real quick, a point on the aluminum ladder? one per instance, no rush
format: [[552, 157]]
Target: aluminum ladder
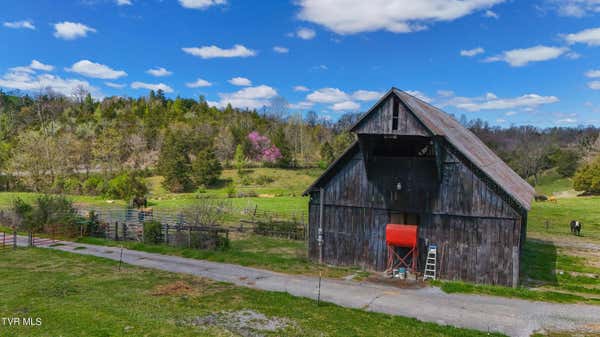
[[431, 263]]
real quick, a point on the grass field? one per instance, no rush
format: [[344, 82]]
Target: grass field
[[86, 296]]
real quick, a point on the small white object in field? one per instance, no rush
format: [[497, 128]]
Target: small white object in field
[[110, 201]]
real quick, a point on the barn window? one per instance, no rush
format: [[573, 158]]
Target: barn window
[[395, 115]]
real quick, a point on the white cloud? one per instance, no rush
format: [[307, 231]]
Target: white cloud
[[594, 85], [521, 57], [29, 81], [199, 83], [472, 52], [33, 66], [366, 95], [124, 2], [491, 14], [445, 93], [240, 81], [301, 88], [566, 121], [251, 97], [419, 95], [306, 33], [400, 16], [159, 72], [152, 86], [492, 102], [95, 70], [24, 24], [346, 106], [281, 50], [576, 8], [328, 95], [302, 105], [201, 4], [591, 37], [500, 120], [208, 52], [114, 85], [594, 73], [71, 30], [510, 113]]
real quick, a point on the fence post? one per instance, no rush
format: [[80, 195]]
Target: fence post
[[189, 236], [116, 231], [124, 231], [30, 239], [14, 239], [167, 234]]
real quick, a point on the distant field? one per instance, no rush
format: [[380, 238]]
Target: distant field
[[86, 296]]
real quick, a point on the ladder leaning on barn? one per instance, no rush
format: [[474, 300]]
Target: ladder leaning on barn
[[431, 263]]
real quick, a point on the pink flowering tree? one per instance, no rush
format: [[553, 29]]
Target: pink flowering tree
[[262, 149]]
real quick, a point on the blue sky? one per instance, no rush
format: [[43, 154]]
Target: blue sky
[[507, 62]]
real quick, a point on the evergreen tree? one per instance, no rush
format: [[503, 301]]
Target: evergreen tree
[[206, 168], [240, 159], [174, 163], [327, 154]]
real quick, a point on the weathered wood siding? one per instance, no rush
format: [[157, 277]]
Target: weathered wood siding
[[380, 122], [478, 232]]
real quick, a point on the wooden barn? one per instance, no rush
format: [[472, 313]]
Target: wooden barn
[[413, 164]]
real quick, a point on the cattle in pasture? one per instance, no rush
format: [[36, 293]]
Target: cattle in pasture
[[576, 227], [540, 197]]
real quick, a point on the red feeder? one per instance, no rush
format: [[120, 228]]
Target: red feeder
[[404, 236]]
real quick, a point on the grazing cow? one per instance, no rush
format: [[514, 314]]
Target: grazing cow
[[139, 202], [552, 199], [576, 227], [540, 197]]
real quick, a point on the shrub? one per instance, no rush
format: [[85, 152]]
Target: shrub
[[127, 186], [94, 185], [263, 180], [47, 211], [152, 232], [72, 185], [230, 190], [587, 178]]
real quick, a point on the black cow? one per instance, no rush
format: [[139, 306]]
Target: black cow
[[139, 202], [576, 227]]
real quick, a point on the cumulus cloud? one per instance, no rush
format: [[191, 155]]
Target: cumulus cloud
[[152, 86], [594, 73], [71, 30], [420, 95], [594, 85], [301, 88], [201, 4], [124, 2], [346, 106], [306, 33], [366, 95], [328, 96], [28, 80], [198, 83], [208, 52], [400, 16], [472, 52], [114, 85], [521, 57], [95, 70], [33, 66], [491, 14], [281, 50], [24, 24], [250, 98], [159, 72], [240, 81], [591, 37], [491, 101]]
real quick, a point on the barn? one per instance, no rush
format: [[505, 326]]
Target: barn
[[413, 164]]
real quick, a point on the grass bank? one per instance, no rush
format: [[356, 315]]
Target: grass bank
[[87, 296]]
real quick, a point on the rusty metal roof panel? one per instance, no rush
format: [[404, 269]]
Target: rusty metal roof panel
[[470, 146]]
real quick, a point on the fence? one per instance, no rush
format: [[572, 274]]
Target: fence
[[8, 240]]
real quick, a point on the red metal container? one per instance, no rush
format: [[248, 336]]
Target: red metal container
[[401, 235]]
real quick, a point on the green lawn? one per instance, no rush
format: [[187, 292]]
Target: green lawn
[[551, 182], [559, 215], [87, 296], [281, 255]]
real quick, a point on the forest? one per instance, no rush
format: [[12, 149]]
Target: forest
[[78, 145]]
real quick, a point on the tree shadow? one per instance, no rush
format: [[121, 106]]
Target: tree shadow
[[538, 263]]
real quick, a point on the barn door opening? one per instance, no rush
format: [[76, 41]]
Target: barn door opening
[[402, 218]]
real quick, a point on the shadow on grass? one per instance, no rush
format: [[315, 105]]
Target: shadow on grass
[[538, 263]]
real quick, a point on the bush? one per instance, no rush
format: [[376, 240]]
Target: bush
[[587, 178], [152, 232], [230, 190], [127, 186], [263, 180], [72, 185], [94, 185], [47, 211]]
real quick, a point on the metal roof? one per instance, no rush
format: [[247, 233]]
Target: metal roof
[[441, 124]]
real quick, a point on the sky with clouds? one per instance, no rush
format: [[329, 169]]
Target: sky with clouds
[[507, 62]]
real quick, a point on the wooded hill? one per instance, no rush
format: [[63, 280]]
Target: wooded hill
[[53, 143]]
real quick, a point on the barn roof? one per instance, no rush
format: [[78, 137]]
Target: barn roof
[[441, 124]]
